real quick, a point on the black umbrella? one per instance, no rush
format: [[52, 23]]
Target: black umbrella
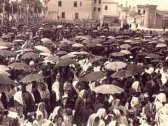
[[135, 69]]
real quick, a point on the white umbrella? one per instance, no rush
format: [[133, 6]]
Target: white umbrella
[[43, 49], [60, 26], [77, 45], [125, 52], [161, 45], [115, 66], [128, 41], [18, 40], [3, 47], [3, 68], [46, 40], [45, 54]]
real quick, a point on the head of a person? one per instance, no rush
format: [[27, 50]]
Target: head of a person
[[58, 120]]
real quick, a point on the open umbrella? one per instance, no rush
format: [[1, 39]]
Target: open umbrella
[[129, 41], [108, 89], [8, 44], [24, 50], [96, 58], [19, 66], [7, 53], [45, 54], [117, 54], [52, 58], [67, 56], [135, 69], [29, 55], [61, 53], [4, 47], [43, 49], [125, 46], [46, 41], [4, 68], [115, 65], [60, 26], [122, 74], [4, 79], [78, 53], [152, 56], [66, 62], [77, 45], [94, 76], [31, 78], [18, 41], [6, 37], [127, 52], [161, 45]]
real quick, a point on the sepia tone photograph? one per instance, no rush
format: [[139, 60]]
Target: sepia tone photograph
[[83, 62]]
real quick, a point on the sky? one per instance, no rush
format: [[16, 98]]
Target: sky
[[162, 4]]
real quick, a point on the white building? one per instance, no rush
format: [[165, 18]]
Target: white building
[[82, 9], [69, 9]]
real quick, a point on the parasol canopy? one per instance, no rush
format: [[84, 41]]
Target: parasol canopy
[[117, 54], [125, 46], [31, 78], [127, 52], [66, 62], [108, 89], [94, 76], [115, 66], [152, 56], [78, 45], [161, 45], [122, 74], [61, 53], [96, 58], [19, 66], [3, 68], [42, 48], [46, 41], [4, 79], [7, 53], [29, 55], [135, 69]]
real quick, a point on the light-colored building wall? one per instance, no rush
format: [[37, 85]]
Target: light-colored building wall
[[110, 8], [84, 9]]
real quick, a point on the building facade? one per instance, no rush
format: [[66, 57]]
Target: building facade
[[150, 17], [96, 10], [69, 9]]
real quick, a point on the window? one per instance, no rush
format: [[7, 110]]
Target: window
[[143, 11], [139, 11], [80, 3], [95, 1], [76, 15], [99, 1], [106, 7], [59, 3], [95, 9], [75, 3], [63, 14], [99, 9]]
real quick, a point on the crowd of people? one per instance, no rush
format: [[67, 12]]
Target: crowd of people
[[73, 75]]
